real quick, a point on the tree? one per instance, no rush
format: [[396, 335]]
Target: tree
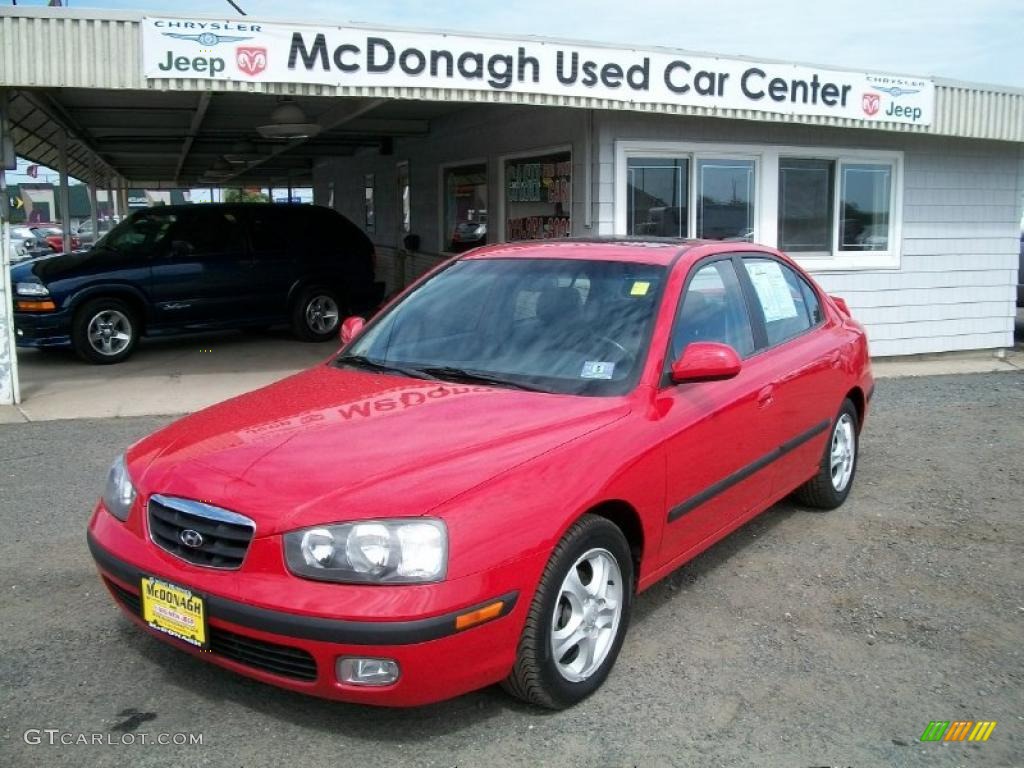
[[245, 196]]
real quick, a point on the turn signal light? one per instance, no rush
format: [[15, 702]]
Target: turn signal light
[[35, 305], [479, 616]]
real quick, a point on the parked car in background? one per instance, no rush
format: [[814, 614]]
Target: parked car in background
[[479, 483], [53, 236], [25, 246], [85, 234], [179, 269]]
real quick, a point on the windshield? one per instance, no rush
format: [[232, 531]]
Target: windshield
[[558, 325], [140, 234]]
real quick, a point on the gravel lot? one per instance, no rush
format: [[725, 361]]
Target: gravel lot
[[804, 639]]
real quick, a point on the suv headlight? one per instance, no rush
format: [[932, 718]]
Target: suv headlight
[[31, 289], [119, 494], [405, 551]]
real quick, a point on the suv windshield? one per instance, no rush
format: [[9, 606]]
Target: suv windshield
[[559, 325]]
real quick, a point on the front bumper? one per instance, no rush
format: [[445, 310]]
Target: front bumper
[[42, 329], [299, 651]]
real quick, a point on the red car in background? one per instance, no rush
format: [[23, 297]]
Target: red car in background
[[476, 487], [53, 236]]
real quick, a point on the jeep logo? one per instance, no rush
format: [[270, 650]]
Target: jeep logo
[[200, 64]]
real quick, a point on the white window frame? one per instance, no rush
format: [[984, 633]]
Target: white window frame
[[766, 197], [538, 152], [442, 169]]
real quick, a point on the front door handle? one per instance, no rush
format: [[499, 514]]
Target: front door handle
[[766, 396]]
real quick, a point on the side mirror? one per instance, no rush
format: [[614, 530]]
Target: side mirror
[[181, 248], [351, 327], [706, 361]]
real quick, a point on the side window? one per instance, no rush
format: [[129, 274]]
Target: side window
[[272, 233], [781, 294], [811, 302], [713, 309], [211, 232]]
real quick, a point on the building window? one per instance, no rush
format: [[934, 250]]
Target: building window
[[658, 196], [368, 209], [465, 207], [832, 209], [865, 197], [538, 197], [806, 190], [725, 197]]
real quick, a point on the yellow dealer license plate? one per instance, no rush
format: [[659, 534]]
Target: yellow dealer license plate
[[175, 610]]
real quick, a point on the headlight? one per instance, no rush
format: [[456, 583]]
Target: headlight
[[31, 289], [119, 495], [406, 551]]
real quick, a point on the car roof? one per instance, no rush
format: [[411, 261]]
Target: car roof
[[640, 250]]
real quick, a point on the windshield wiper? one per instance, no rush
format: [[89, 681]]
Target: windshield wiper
[[361, 361], [472, 377]]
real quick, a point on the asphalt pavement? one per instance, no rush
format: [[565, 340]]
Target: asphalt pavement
[[804, 639]]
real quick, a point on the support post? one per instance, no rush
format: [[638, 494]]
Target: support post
[[65, 197], [10, 393], [94, 212]]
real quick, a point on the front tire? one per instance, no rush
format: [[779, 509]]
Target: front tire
[[578, 617], [829, 488], [105, 331], [316, 314]]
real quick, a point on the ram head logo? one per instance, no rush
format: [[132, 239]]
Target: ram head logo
[[870, 102], [250, 59]]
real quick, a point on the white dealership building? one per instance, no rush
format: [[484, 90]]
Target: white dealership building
[[901, 193]]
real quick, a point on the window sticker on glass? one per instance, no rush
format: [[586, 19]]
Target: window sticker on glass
[[772, 290], [594, 369], [640, 288]]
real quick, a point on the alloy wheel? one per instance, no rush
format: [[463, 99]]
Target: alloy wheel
[[109, 332], [322, 314], [844, 447], [587, 614]]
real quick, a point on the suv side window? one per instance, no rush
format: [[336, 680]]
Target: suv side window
[[783, 297], [713, 309], [272, 230], [211, 232]]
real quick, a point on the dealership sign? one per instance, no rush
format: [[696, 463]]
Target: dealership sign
[[361, 57]]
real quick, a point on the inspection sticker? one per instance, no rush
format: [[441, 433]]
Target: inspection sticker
[[593, 369], [640, 288]]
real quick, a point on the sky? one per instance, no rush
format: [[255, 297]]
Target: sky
[[974, 40]]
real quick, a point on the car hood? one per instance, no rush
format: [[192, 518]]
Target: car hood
[[50, 268], [329, 445]]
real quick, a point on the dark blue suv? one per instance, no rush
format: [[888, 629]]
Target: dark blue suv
[[180, 269]]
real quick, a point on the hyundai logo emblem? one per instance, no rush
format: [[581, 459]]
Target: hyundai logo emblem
[[191, 538]]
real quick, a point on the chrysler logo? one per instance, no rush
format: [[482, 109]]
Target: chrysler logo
[[191, 538]]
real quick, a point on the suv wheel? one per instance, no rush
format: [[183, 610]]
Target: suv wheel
[[105, 331], [316, 314], [578, 617]]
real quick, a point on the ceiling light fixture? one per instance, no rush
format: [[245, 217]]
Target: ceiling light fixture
[[288, 121]]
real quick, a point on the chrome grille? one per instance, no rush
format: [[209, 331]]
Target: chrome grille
[[199, 533]]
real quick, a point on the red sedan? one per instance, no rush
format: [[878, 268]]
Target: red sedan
[[476, 487]]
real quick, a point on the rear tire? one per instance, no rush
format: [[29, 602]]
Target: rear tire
[[105, 331], [581, 607], [829, 488], [316, 314]]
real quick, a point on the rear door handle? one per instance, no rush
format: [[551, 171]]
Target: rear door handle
[[766, 396]]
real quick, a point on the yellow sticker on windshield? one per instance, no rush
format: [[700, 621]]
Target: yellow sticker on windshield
[[640, 288]]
